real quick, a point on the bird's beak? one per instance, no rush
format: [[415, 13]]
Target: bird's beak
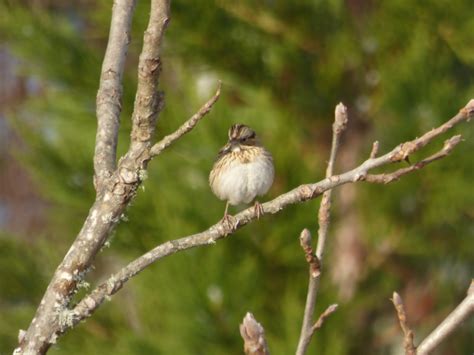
[[226, 149], [229, 147]]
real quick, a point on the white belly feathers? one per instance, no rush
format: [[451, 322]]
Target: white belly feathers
[[241, 183]]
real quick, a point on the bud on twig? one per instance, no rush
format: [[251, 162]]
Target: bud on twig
[[341, 118], [254, 336], [311, 258]]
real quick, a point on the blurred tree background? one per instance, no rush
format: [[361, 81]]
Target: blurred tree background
[[400, 66]]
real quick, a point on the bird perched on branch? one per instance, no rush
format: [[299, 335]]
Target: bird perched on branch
[[243, 170]]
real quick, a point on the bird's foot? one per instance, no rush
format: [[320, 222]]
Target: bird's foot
[[229, 221], [258, 209]]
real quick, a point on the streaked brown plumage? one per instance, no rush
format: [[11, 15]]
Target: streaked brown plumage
[[243, 169]]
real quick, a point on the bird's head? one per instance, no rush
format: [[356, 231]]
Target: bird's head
[[242, 135]]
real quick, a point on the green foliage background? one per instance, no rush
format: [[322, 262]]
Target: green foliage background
[[401, 68]]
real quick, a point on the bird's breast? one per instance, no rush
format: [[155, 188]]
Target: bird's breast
[[241, 180]]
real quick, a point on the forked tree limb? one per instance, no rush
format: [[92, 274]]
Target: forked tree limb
[[53, 316], [222, 230], [387, 178]]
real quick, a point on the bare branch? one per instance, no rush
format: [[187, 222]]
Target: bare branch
[[222, 230], [449, 145], [148, 100], [375, 150], [319, 323], [254, 336], [53, 317], [452, 321], [408, 148], [340, 123], [186, 126], [338, 127], [109, 95], [402, 318]]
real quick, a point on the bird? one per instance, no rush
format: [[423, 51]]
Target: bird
[[242, 171]]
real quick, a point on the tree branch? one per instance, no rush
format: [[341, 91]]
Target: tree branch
[[186, 126], [53, 317], [340, 124], [307, 330], [148, 100], [408, 148], [109, 95], [375, 150], [253, 335], [322, 318], [402, 318], [221, 230], [449, 145], [452, 321]]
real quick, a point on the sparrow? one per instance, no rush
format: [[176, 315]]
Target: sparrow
[[243, 170]]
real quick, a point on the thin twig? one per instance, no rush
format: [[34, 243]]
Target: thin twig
[[447, 326], [319, 323], [340, 123], [375, 150], [408, 148], [410, 348], [186, 126], [387, 178], [109, 95], [222, 230], [253, 335]]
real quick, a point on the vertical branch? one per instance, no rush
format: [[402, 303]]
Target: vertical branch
[[307, 329], [339, 125], [148, 101], [109, 95], [408, 336]]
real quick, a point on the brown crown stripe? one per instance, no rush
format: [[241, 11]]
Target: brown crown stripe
[[239, 131]]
